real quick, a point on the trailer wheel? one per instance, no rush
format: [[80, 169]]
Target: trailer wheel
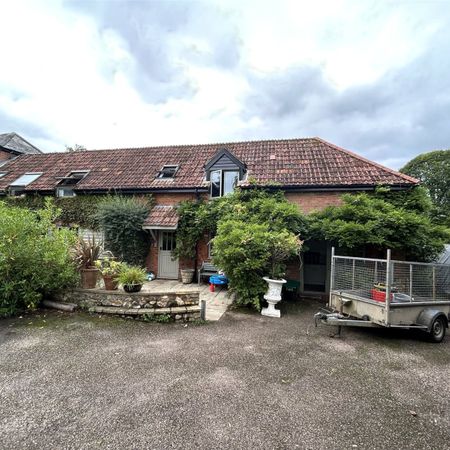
[[437, 329]]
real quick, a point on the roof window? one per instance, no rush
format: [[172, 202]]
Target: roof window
[[167, 172], [73, 178], [2, 174], [26, 179]]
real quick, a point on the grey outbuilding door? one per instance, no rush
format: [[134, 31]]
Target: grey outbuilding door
[[167, 266]]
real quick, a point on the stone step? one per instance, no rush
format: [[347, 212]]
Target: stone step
[[141, 311]]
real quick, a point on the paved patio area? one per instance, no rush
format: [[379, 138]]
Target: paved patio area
[[217, 302]]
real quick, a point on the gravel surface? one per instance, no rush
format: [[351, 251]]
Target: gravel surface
[[70, 381]]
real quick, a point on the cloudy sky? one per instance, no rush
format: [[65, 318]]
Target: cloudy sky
[[371, 76]]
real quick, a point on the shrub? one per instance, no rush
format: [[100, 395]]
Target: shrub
[[131, 275], [121, 219], [248, 251], [35, 257]]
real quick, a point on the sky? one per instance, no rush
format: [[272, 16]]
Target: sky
[[370, 76]]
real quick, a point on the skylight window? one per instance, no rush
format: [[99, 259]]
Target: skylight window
[[2, 174], [26, 179], [73, 178], [167, 172]]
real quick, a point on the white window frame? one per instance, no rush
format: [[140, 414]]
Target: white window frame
[[167, 166], [14, 183]]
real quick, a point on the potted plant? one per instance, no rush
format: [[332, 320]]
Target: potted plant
[[187, 275], [86, 253], [131, 278], [282, 246], [109, 269]]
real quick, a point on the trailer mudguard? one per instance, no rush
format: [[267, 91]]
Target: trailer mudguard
[[427, 316]]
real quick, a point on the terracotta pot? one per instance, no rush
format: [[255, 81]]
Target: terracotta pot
[[110, 283], [187, 275], [89, 278], [130, 288]]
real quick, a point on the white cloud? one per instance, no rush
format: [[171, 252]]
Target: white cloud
[[80, 78]]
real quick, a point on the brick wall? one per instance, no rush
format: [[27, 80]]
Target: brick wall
[[313, 201], [5, 155]]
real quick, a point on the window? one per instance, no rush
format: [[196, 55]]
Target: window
[[167, 172], [223, 182], [2, 174], [65, 192], [26, 179], [65, 186]]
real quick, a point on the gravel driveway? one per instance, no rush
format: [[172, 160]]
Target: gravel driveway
[[70, 381]]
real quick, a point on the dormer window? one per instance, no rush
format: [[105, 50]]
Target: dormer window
[[224, 171], [65, 186], [167, 172]]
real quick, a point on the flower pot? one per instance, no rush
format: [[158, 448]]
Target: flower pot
[[130, 288], [111, 284], [187, 275], [89, 278], [273, 296]]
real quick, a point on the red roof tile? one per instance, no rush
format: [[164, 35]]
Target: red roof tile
[[310, 162], [162, 216]]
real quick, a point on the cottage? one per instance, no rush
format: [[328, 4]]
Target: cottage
[[13, 145], [313, 174]]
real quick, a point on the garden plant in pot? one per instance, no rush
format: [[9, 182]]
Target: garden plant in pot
[[110, 269], [283, 246], [86, 253], [131, 278]]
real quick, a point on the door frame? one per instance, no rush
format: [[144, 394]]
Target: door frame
[[175, 261]]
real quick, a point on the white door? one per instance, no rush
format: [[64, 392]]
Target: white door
[[167, 266]]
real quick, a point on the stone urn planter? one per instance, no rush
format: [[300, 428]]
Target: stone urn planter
[[89, 277], [273, 296], [187, 275]]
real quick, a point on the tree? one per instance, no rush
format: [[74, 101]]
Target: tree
[[382, 221], [76, 148], [433, 170], [35, 257], [121, 219]]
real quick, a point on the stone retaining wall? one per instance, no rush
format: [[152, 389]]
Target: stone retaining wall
[[180, 305]]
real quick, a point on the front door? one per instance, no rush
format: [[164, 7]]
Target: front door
[[167, 266]]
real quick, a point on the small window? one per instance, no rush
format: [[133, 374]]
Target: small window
[[215, 177], [167, 172], [65, 192], [2, 174], [26, 179]]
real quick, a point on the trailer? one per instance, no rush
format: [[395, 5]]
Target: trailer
[[368, 292]]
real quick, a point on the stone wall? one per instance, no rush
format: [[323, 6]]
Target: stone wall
[[179, 305]]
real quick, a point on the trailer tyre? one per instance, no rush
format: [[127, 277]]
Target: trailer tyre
[[437, 329]]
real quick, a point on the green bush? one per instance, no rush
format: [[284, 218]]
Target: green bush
[[121, 219], [247, 251], [35, 257]]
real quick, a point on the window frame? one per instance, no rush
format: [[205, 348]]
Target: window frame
[[221, 181], [24, 185], [65, 189], [161, 176]]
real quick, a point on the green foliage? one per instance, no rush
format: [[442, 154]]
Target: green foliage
[[247, 251], [433, 170], [158, 318], [131, 275], [79, 210], [108, 267], [255, 233], [121, 219], [35, 257], [372, 220]]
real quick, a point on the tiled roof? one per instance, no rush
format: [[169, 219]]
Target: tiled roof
[[162, 216], [310, 162], [16, 143]]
